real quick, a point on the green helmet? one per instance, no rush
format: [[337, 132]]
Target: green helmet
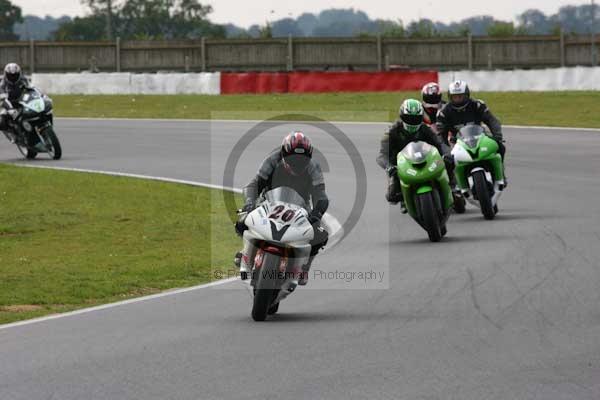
[[411, 114]]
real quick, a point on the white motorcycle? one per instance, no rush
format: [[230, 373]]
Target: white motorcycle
[[280, 233]]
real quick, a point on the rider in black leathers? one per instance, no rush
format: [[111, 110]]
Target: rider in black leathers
[[292, 166], [395, 139], [12, 85], [462, 110]]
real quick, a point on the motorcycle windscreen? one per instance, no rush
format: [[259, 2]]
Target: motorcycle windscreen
[[33, 100], [285, 194], [416, 152], [470, 134]]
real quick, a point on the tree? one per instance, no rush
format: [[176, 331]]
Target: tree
[[505, 29], [285, 27], [9, 16], [535, 21], [307, 22], [265, 32], [391, 29], [106, 8], [144, 19], [423, 28]]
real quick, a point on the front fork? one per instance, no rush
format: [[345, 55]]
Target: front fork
[[497, 171]]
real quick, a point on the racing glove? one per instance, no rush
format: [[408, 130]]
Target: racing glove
[[391, 170], [249, 206], [448, 158], [314, 217]]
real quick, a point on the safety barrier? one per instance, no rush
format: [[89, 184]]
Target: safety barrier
[[552, 79], [577, 78], [127, 83], [324, 82]]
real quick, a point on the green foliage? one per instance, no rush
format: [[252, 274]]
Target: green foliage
[[505, 29], [501, 29], [266, 32], [422, 29], [392, 29], [147, 19], [82, 28], [9, 16]]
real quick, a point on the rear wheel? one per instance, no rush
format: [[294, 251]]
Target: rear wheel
[[483, 195], [27, 153], [266, 288], [430, 216]]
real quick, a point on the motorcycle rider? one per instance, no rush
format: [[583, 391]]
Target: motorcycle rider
[[409, 128], [12, 84], [462, 110], [291, 165], [432, 102]]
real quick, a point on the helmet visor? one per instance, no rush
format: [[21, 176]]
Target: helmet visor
[[12, 77], [410, 119], [458, 99]]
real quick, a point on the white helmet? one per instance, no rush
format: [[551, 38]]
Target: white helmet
[[459, 88], [12, 73]]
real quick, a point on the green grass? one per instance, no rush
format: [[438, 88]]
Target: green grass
[[70, 240], [577, 109]]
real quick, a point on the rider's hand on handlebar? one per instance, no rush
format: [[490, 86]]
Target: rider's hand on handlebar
[[314, 217], [391, 170], [249, 206]]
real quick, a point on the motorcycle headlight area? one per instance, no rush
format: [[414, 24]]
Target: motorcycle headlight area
[[27, 126], [36, 105], [471, 141]]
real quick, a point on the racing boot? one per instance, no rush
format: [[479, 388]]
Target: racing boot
[[403, 208], [303, 280]]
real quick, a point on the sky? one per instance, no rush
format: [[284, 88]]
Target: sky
[[246, 13]]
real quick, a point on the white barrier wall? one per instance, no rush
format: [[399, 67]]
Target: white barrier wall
[[126, 83], [576, 78]]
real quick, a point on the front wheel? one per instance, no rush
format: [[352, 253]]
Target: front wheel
[[266, 288], [273, 309], [430, 216], [483, 195], [56, 150]]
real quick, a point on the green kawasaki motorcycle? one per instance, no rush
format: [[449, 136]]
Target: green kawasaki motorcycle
[[479, 170], [425, 186]]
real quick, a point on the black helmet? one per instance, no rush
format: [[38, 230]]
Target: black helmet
[[12, 73], [296, 151], [459, 88]]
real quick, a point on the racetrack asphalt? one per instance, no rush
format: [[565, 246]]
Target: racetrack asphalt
[[503, 309]]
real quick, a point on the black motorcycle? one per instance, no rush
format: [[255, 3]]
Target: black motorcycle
[[30, 124]]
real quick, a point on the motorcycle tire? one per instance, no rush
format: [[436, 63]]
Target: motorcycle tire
[[483, 195], [265, 289], [56, 152], [27, 153], [273, 309], [430, 216]]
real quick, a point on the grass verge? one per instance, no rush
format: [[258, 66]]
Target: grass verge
[[573, 109], [71, 240]]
